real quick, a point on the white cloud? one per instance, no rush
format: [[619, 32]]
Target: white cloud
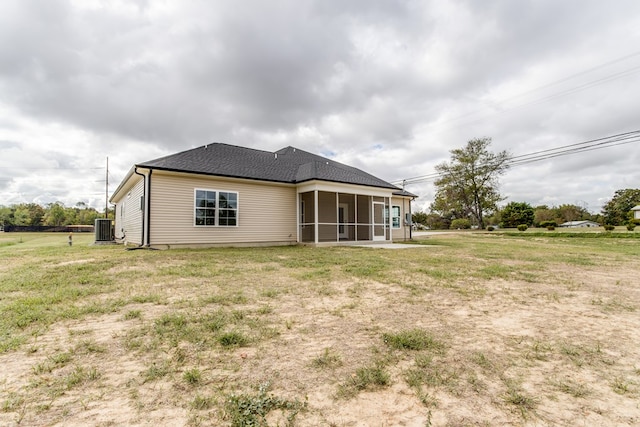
[[387, 86]]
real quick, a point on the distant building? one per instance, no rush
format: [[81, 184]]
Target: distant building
[[636, 212], [578, 224]]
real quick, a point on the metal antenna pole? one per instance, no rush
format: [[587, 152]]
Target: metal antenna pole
[[106, 192]]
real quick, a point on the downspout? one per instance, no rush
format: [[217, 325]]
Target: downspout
[[411, 219], [404, 223], [144, 195], [149, 209]]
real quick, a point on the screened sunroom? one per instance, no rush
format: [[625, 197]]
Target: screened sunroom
[[333, 216]]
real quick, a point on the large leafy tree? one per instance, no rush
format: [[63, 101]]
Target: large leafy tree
[[55, 214], [616, 211], [6, 215], [21, 215], [567, 212], [419, 217], [516, 213], [542, 213], [36, 213], [468, 184], [562, 213]]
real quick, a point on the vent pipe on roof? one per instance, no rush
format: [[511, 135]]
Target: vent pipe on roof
[[276, 154]]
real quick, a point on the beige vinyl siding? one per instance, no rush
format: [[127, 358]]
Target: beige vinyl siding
[[401, 233], [128, 218], [266, 212]]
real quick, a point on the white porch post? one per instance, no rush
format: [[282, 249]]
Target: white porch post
[[298, 217], [315, 215], [355, 218], [337, 216], [387, 217], [371, 216]]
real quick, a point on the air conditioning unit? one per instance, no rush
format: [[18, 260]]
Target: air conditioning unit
[[103, 230]]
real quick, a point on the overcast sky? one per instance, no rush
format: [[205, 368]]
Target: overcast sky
[[387, 86]]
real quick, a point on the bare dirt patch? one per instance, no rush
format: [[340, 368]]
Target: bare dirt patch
[[72, 262], [558, 349]]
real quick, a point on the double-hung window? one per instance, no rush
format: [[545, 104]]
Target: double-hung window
[[395, 217], [216, 208]]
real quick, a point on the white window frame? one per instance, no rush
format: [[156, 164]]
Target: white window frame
[[393, 217], [216, 208]]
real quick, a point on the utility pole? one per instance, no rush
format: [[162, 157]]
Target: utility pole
[[404, 225], [106, 192]]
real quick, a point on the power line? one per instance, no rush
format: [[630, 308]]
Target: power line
[[564, 79], [52, 169], [571, 90], [587, 146], [536, 156], [579, 88]]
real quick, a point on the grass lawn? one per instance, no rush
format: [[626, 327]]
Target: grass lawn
[[477, 329]]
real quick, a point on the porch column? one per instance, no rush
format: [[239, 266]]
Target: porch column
[[315, 215], [387, 219], [355, 217], [337, 216], [298, 217]]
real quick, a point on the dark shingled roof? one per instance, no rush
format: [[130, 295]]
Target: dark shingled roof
[[288, 165]]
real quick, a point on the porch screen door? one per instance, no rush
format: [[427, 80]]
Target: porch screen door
[[343, 215], [378, 221]]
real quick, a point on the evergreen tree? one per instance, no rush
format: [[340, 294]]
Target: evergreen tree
[[517, 213]]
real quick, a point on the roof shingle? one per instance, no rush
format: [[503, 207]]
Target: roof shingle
[[288, 165]]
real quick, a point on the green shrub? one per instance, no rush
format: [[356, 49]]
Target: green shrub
[[609, 227], [414, 339], [192, 376], [233, 339], [460, 224], [490, 228], [547, 224], [631, 227], [523, 227], [252, 410]]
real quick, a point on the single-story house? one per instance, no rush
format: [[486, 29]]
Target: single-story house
[[636, 212], [225, 195], [578, 224]]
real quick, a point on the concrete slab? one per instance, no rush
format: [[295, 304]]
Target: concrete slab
[[393, 246]]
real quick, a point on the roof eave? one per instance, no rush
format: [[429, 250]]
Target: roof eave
[[215, 174], [404, 193], [294, 182], [346, 183], [123, 183]]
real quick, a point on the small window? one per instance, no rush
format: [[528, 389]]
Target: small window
[[216, 208], [395, 217]]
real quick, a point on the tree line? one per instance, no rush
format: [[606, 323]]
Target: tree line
[[467, 195], [53, 214]]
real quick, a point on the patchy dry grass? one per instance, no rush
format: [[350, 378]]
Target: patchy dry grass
[[472, 329]]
